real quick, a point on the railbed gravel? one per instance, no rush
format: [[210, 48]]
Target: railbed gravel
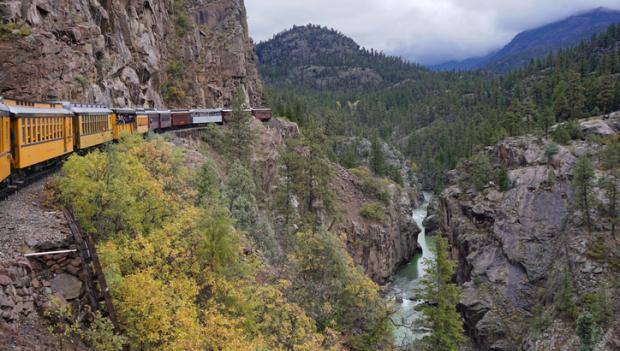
[[25, 221]]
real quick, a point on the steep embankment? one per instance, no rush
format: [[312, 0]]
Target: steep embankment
[[379, 246], [144, 53], [526, 261]]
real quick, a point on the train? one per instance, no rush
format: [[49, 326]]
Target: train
[[35, 136]]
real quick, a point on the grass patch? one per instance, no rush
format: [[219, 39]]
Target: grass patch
[[373, 211], [375, 187]]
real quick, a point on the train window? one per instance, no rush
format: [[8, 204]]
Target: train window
[[26, 130]]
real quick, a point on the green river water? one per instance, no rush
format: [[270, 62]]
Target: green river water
[[406, 280]]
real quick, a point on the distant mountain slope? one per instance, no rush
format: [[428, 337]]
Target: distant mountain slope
[[320, 57], [539, 42]]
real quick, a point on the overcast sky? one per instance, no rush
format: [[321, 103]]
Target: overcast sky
[[424, 31]]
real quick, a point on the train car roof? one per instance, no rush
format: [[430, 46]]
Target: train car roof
[[125, 110], [231, 110], [87, 108], [261, 109], [26, 110], [4, 110], [205, 110]]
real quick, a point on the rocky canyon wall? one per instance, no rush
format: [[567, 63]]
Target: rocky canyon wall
[[516, 249], [146, 53]]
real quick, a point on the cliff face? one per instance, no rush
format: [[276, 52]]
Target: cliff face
[[380, 247], [128, 52], [514, 248]]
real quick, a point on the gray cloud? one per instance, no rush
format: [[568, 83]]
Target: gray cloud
[[424, 31]]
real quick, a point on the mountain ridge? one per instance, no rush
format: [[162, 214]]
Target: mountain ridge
[[320, 56], [538, 42]]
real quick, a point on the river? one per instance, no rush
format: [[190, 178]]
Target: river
[[406, 280]]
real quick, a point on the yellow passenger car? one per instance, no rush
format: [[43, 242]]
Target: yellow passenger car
[[92, 125], [124, 122], [41, 131], [5, 143], [142, 122]]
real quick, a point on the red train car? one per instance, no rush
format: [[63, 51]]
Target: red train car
[[181, 118]]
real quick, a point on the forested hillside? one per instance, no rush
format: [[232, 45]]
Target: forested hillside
[[439, 118], [318, 57], [238, 238]]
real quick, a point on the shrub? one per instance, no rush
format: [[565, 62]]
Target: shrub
[[503, 180], [14, 29], [373, 211], [480, 171], [375, 187], [551, 150], [541, 319], [183, 25], [82, 80], [598, 249], [566, 132]]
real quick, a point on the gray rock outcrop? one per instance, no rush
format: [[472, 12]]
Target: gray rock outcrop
[[512, 248]]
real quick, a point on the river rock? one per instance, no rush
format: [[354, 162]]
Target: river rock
[[431, 224]]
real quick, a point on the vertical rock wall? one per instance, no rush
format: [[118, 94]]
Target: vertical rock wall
[[173, 53]]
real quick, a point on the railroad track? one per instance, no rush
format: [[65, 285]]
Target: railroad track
[[6, 192]]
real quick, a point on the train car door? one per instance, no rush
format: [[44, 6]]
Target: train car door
[[68, 132]]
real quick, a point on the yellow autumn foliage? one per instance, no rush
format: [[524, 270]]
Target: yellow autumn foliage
[[177, 272]]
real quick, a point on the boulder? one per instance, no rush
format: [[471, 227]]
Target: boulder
[[431, 224], [67, 285]]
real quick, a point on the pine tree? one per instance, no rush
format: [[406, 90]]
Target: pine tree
[[439, 298], [582, 182], [605, 96], [560, 102], [239, 193], [565, 299], [586, 332], [545, 120], [241, 137], [291, 168], [610, 185], [377, 158], [575, 94]]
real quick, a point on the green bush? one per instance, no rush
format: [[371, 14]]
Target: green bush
[[14, 28], [503, 180], [480, 171], [375, 187], [183, 25], [82, 80], [566, 132], [373, 211], [598, 249], [551, 150]]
